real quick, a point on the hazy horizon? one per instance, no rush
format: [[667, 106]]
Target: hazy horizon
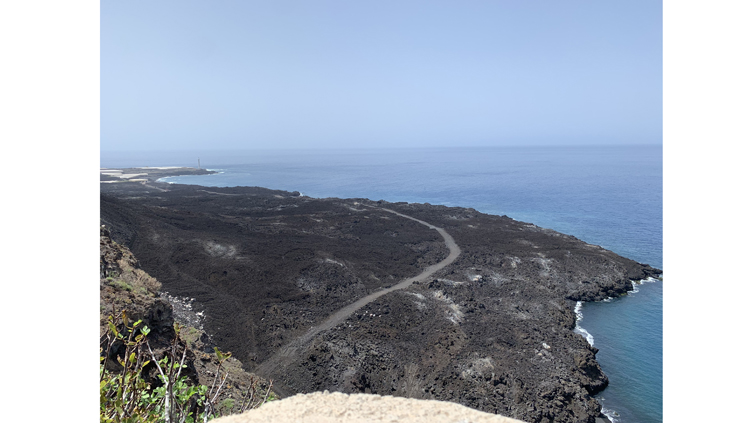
[[334, 74], [256, 148]]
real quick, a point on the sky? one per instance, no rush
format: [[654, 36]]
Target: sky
[[352, 74]]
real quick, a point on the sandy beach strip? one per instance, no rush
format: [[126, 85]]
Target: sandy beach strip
[[160, 167]]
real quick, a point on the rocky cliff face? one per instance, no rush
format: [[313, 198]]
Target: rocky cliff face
[[492, 331], [124, 287]]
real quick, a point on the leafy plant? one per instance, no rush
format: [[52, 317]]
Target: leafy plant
[[126, 397], [124, 394]]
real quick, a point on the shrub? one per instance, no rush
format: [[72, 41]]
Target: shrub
[[226, 405], [191, 335], [119, 283], [126, 397]]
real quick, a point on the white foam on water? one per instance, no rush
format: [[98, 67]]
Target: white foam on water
[[636, 289], [578, 329], [583, 332], [611, 415]]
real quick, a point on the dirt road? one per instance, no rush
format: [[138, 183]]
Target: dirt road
[[288, 353]]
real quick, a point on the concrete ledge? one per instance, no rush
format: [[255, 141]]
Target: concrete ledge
[[325, 407]]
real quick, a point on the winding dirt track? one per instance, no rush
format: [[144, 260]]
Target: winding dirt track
[[289, 352]]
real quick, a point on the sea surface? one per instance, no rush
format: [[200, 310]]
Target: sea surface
[[605, 195]]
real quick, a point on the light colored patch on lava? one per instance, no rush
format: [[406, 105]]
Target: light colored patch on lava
[[479, 367], [454, 313], [331, 261], [545, 264], [450, 282], [218, 250], [513, 261], [308, 285], [421, 306]]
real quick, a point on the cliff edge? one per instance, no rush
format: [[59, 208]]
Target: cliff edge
[[127, 289]]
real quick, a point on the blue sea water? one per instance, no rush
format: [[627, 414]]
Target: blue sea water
[[605, 195]]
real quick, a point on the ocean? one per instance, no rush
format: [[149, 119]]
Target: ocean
[[605, 195]]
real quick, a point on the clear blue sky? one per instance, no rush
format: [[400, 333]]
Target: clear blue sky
[[333, 74]]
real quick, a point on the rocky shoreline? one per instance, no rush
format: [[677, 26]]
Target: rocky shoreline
[[492, 331]]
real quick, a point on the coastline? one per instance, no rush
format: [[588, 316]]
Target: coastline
[[610, 414], [147, 174], [614, 289], [630, 352]]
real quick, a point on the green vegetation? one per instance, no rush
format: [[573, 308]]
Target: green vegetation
[[226, 405], [191, 335], [126, 396], [119, 283]]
